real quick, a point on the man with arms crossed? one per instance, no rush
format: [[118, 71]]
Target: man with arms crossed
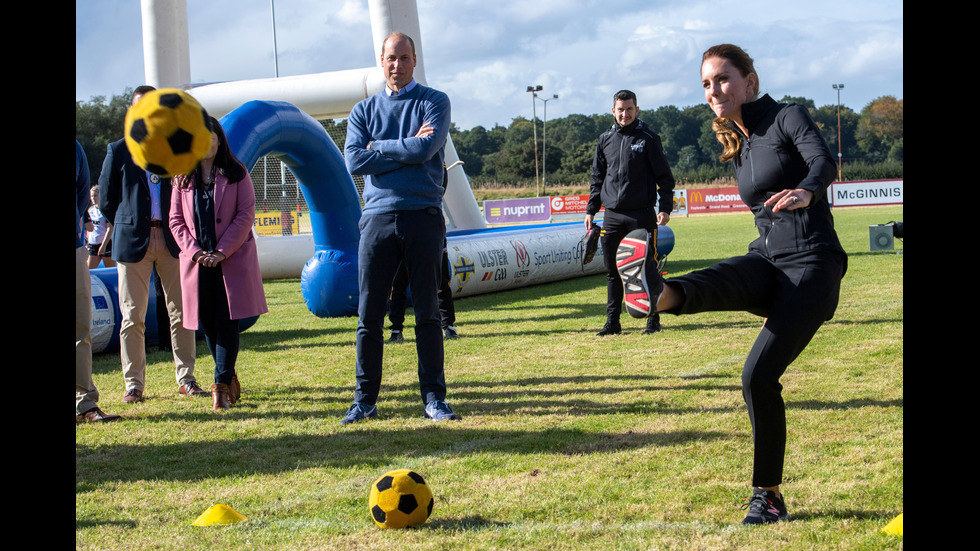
[[395, 140]]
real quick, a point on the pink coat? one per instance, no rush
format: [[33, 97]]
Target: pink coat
[[234, 216]]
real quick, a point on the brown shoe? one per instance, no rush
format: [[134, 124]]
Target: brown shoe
[[234, 390], [132, 396], [96, 415], [219, 395], [192, 389]]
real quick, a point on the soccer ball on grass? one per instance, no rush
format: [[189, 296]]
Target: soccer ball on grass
[[399, 499], [168, 132]]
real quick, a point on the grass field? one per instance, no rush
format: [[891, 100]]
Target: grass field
[[568, 441]]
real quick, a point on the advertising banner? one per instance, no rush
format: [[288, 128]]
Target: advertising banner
[[721, 199], [576, 204], [842, 194], [569, 204], [680, 203], [511, 211], [876, 192], [274, 223]]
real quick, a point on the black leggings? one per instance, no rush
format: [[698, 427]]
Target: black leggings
[[796, 293], [221, 333]]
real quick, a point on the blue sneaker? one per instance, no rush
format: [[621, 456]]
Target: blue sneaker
[[358, 412], [764, 507], [438, 410]]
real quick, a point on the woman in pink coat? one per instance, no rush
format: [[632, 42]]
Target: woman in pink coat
[[211, 216]]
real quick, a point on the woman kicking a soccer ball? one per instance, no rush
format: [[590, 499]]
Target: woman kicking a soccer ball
[[791, 274]]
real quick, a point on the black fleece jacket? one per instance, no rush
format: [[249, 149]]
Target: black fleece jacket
[[785, 150], [629, 170]]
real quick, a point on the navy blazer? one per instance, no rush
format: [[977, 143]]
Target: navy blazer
[[124, 199]]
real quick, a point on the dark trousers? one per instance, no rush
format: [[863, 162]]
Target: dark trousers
[[415, 238], [796, 293], [220, 331], [615, 226], [399, 296]]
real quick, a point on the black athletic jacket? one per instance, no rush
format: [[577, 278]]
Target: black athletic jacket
[[629, 170], [785, 150]]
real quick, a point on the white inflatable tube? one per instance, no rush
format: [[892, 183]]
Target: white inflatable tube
[[483, 260], [506, 258]]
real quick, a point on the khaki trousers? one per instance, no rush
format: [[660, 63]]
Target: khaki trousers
[[86, 395], [134, 293]]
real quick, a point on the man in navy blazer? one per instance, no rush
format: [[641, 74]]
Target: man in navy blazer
[[137, 204]]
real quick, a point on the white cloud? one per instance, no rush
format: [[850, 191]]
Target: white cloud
[[485, 53], [352, 12]]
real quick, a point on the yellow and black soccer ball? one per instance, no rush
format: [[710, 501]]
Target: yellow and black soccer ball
[[399, 499], [168, 132]]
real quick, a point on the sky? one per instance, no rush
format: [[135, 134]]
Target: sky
[[485, 53]]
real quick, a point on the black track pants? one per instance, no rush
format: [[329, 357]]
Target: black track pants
[[796, 293]]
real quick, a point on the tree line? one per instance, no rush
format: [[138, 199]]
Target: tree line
[[871, 141]]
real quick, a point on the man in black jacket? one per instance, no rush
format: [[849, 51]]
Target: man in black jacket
[[629, 172]]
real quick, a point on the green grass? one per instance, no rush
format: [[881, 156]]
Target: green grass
[[568, 441]]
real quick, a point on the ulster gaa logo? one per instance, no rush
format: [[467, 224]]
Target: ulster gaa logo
[[520, 252], [523, 261]]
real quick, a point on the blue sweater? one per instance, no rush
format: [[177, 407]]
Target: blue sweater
[[401, 172]]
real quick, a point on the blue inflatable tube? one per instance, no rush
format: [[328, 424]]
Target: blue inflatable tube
[[107, 318], [281, 130], [483, 260]]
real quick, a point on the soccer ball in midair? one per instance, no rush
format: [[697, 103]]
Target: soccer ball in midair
[[400, 498], [167, 132]]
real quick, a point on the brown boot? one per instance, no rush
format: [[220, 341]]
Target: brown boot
[[219, 395], [234, 390]]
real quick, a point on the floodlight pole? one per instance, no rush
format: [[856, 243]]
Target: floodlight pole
[[544, 145], [275, 49], [840, 157], [534, 128]]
